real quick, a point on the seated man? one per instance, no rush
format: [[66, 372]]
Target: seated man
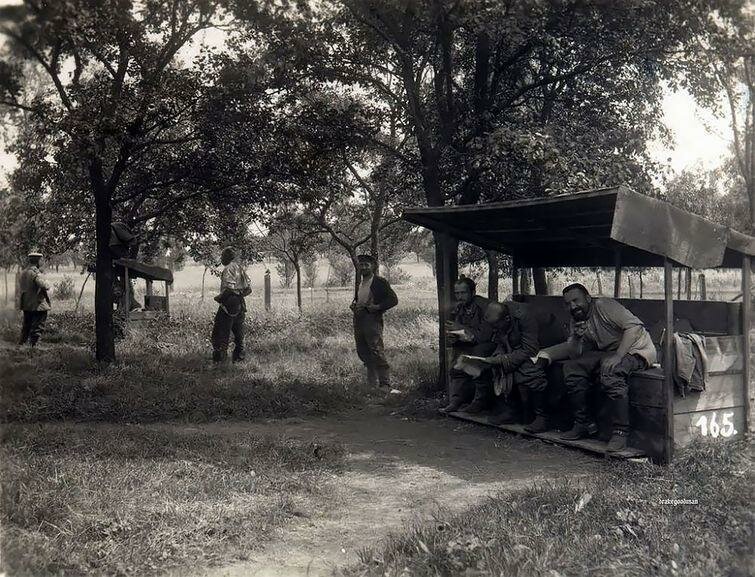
[[606, 341], [468, 333], [515, 336]]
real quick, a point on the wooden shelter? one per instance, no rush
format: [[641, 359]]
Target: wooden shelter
[[154, 305], [617, 227]]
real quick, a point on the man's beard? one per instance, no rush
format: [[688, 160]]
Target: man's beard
[[579, 314]]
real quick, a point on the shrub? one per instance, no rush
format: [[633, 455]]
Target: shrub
[[64, 289]]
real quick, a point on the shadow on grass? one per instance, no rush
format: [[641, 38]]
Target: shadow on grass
[[295, 367], [616, 524]]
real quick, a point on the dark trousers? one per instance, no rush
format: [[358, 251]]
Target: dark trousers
[[581, 373], [368, 335], [464, 388], [531, 376], [224, 325], [34, 324]]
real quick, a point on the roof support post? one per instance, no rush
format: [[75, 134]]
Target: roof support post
[[617, 274], [668, 351], [447, 262], [747, 344]]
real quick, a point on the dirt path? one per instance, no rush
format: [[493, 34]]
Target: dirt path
[[397, 471]]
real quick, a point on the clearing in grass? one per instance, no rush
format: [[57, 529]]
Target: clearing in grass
[[693, 518]]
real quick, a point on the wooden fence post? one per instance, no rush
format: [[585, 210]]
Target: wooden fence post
[[268, 291]]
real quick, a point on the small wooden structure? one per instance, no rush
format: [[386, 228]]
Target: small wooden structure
[[154, 305], [617, 227]]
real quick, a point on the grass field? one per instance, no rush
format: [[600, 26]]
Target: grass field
[[616, 524], [113, 500], [89, 486]]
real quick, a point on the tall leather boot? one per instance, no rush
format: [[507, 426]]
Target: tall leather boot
[[583, 427], [620, 418], [372, 376], [481, 397], [540, 424], [384, 376], [506, 412]]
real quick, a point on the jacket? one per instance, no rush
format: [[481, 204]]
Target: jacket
[[382, 295], [689, 362], [514, 346], [33, 288], [471, 318]]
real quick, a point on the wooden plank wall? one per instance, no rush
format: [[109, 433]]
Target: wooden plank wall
[[705, 317], [719, 411]]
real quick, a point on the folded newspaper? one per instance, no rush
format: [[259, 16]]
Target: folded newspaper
[[471, 365]]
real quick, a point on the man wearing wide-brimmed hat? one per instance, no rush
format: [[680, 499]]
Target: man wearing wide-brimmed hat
[[374, 297], [34, 300]]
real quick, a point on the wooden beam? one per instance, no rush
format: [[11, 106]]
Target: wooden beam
[[746, 346], [449, 272], [668, 351], [617, 274]]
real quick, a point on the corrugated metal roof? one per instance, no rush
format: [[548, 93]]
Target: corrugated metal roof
[[590, 228]]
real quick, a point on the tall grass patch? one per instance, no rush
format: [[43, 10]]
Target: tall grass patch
[[630, 521], [296, 365]]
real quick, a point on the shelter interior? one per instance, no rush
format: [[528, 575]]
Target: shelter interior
[[617, 227]]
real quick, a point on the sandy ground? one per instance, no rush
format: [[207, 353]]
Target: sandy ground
[[397, 471]]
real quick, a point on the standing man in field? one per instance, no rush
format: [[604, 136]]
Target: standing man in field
[[374, 297], [469, 334], [608, 342], [34, 301], [234, 286]]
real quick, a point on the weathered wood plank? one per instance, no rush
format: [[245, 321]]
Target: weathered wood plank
[[722, 424], [725, 354], [646, 388], [592, 445], [726, 390]]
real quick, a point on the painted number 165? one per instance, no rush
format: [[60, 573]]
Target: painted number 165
[[713, 428]]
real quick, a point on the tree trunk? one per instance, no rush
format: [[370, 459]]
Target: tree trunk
[[641, 284], [297, 269], [492, 274], [524, 281], [201, 298], [688, 283], [5, 275], [540, 282], [81, 292], [103, 291]]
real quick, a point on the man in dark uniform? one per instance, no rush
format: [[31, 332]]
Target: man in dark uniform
[[608, 342], [234, 286], [374, 297], [516, 340], [34, 301], [468, 334]]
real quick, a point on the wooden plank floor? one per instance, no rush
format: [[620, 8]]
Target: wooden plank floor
[[592, 445]]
